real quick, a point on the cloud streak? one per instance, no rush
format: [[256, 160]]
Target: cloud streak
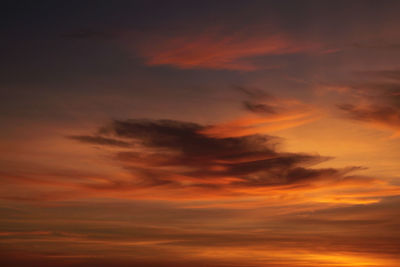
[[266, 114], [377, 101], [216, 48]]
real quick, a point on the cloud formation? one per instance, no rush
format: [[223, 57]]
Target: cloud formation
[[131, 233], [217, 48], [265, 114], [182, 156], [377, 101]]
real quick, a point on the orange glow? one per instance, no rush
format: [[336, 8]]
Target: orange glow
[[200, 133]]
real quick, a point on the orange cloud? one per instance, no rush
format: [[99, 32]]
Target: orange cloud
[[217, 49], [267, 114], [174, 160]]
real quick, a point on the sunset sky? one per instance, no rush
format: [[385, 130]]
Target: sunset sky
[[200, 133]]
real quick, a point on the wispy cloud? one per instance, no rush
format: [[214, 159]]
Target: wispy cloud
[[266, 114], [376, 101], [99, 140], [216, 48]]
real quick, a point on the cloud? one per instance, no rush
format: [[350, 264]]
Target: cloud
[[177, 160], [99, 140], [383, 117], [180, 155], [83, 234], [377, 101], [217, 48], [266, 113]]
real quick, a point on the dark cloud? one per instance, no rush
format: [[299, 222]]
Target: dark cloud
[[258, 108], [172, 153], [99, 140], [258, 100], [261, 102], [384, 114], [254, 93], [377, 101]]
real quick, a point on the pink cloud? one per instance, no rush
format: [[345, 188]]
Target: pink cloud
[[215, 49]]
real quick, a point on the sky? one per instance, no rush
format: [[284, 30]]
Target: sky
[[200, 133]]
